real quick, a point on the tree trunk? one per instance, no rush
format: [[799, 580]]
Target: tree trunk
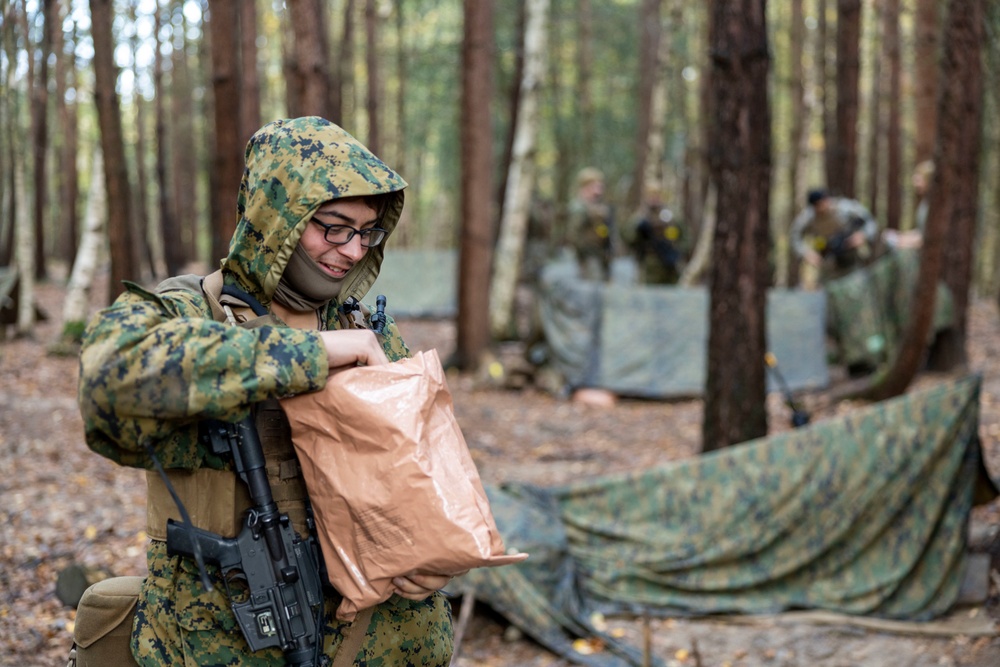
[[116, 183], [169, 230], [140, 206], [249, 72], [521, 176], [68, 176], [740, 157], [10, 115], [514, 108], [75, 305], [956, 157], [40, 133], [25, 256], [345, 66], [229, 145], [182, 130], [787, 270], [310, 58], [650, 35], [585, 79], [876, 128], [894, 133], [965, 46], [475, 250], [374, 83], [848, 73], [827, 101], [925, 75]]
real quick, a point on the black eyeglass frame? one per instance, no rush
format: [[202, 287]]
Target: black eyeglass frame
[[366, 234]]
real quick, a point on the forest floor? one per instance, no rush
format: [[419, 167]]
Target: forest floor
[[61, 504]]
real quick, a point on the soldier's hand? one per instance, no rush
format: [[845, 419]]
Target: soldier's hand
[[352, 347], [419, 586], [812, 257]]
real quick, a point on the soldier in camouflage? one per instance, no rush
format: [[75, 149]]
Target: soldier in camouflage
[[314, 209], [588, 227]]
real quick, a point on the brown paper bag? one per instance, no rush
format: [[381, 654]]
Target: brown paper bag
[[393, 486]]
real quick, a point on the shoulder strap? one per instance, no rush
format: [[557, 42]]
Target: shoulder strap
[[212, 288], [354, 634]]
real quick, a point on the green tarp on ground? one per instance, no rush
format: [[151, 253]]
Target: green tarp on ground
[[863, 514]]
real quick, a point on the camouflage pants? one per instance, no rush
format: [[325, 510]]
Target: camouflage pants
[[178, 623]]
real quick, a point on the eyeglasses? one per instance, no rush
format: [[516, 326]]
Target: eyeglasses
[[341, 234]]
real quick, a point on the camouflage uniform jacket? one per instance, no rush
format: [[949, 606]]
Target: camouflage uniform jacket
[[153, 365]]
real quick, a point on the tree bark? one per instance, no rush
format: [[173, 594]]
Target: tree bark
[[310, 58], [740, 157], [476, 247], [24, 256], [521, 176], [182, 132], [894, 132], [229, 145], [848, 73], [956, 154], [249, 72], [141, 225], [169, 231], [927, 41], [964, 44], [81, 279], [787, 271], [40, 133], [69, 177], [345, 66], [650, 35], [374, 141], [827, 101], [116, 182], [875, 109]]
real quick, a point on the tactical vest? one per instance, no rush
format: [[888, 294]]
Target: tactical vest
[[217, 500]]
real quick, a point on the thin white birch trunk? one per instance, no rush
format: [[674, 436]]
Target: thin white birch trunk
[[702, 255], [521, 176], [92, 241], [24, 252]]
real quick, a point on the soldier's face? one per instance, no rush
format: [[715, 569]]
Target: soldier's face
[[337, 260]]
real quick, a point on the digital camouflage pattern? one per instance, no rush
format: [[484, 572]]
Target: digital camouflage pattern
[[869, 309], [862, 514], [176, 619], [153, 365]]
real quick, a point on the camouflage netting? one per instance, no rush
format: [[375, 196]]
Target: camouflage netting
[[868, 309], [865, 514]]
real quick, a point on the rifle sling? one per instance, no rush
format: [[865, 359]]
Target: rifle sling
[[354, 635]]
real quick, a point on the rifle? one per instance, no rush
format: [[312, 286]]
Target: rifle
[[836, 245], [283, 602]]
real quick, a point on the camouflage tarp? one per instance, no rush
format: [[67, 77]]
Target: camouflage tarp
[[864, 514], [651, 341], [868, 309]]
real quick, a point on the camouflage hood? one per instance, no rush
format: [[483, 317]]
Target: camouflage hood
[[292, 168]]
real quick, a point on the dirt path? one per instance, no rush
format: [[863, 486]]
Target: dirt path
[[60, 503]]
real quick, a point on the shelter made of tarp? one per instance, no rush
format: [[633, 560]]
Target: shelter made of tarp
[[869, 308], [652, 341], [863, 514]]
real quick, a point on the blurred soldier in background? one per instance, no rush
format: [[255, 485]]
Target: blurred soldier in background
[[589, 223], [834, 234], [655, 239]]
